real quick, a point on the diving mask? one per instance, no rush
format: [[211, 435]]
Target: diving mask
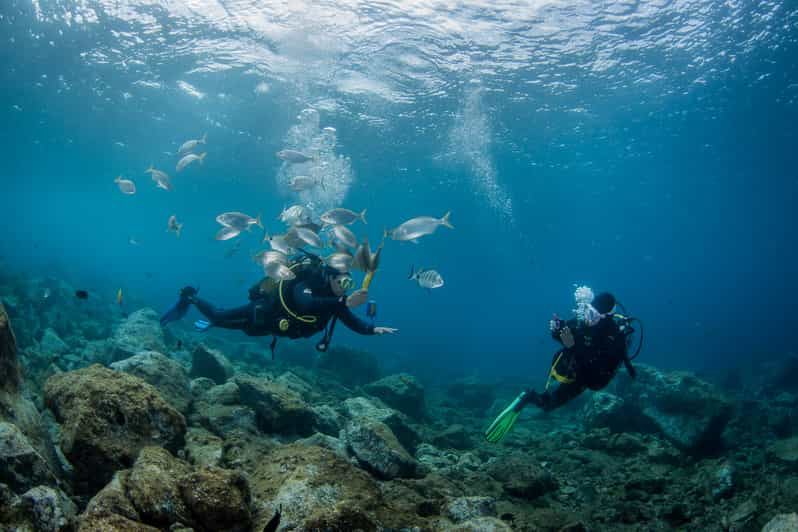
[[345, 282]]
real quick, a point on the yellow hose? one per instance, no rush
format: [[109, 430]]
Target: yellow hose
[[367, 280]]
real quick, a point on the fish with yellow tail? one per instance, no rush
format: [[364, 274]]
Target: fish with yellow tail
[[119, 297]]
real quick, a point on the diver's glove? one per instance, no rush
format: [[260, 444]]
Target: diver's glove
[[505, 421]]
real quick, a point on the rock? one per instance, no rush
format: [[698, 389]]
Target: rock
[[360, 407], [785, 450], [479, 524], [471, 393], [690, 412], [297, 384], [351, 366], [10, 377], [402, 391], [376, 448], [212, 364], [278, 409], [203, 448], [106, 418], [328, 420], [169, 377], [521, 477], [782, 523], [51, 344], [141, 331], [200, 386], [163, 491], [316, 489], [454, 437], [21, 466], [465, 508], [326, 442], [217, 408], [604, 409], [48, 509]]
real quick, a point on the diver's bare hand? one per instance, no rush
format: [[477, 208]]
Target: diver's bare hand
[[385, 330], [567, 337], [357, 298]]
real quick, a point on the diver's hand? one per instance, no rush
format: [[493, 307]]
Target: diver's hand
[[385, 330], [567, 338], [357, 298]]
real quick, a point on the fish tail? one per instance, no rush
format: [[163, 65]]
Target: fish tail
[[265, 236], [363, 217], [445, 220], [202, 157], [150, 169], [412, 269], [179, 228], [118, 179], [258, 221], [204, 138]]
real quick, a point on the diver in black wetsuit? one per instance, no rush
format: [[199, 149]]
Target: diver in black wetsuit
[[593, 349], [296, 308]]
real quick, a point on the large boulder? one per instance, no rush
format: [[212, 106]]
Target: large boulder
[[316, 489], [21, 466], [162, 491], [465, 508], [218, 409], [402, 391], [374, 410], [106, 418], [688, 411], [10, 377], [168, 376], [141, 331], [278, 408], [521, 476], [376, 449], [604, 409], [211, 364], [782, 523], [48, 509]]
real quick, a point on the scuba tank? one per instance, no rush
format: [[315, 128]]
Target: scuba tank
[[371, 310]]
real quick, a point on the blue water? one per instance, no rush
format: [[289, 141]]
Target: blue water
[[646, 148]]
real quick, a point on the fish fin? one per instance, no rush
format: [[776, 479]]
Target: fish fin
[[258, 221], [385, 234], [411, 272], [429, 291], [445, 220], [179, 228], [265, 236], [150, 169], [202, 160], [415, 240], [118, 179], [363, 217], [204, 138]]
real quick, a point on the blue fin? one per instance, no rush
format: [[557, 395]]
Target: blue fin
[[202, 325], [176, 312]]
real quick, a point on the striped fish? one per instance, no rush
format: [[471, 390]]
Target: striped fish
[[428, 279]]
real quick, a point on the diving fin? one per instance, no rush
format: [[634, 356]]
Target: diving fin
[[202, 325], [176, 312], [505, 421]]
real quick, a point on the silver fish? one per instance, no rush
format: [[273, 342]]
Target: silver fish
[[339, 261], [162, 179], [173, 225], [278, 272], [344, 235], [239, 220], [265, 258], [226, 233], [188, 159], [279, 243], [301, 183], [189, 145], [295, 215], [341, 216], [418, 227], [362, 257], [293, 156], [308, 237], [428, 279], [232, 250], [126, 186]]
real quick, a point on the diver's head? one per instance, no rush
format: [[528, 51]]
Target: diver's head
[[340, 283], [604, 302]]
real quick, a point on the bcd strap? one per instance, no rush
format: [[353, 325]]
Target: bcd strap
[[324, 343], [556, 376]]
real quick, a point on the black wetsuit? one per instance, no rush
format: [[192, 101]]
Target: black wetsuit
[[591, 363], [259, 317]]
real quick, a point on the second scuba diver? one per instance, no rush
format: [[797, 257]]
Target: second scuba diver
[[298, 308], [595, 343]]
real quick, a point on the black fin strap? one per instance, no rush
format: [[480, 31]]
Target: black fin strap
[[273, 345]]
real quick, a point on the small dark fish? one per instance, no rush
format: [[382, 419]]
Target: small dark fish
[[179, 345], [274, 522], [81, 294]]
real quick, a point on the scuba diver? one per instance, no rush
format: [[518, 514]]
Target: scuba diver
[[595, 343], [309, 303]]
